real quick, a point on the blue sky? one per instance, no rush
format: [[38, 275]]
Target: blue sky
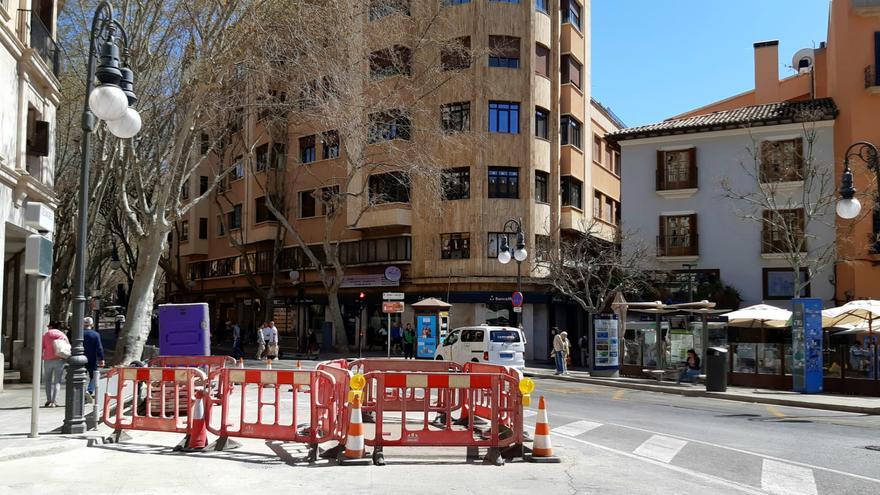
[[653, 59]]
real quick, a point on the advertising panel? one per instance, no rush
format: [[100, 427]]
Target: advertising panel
[[605, 342], [426, 336]]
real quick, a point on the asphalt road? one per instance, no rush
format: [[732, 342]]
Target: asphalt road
[[745, 447]]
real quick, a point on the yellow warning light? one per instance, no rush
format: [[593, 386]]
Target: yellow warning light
[[526, 400], [358, 382], [526, 386]]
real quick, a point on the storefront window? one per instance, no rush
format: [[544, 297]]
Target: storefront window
[[743, 358], [632, 347], [786, 349], [769, 359], [498, 314], [861, 361], [649, 347]]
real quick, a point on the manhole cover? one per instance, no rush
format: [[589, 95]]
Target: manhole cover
[[873, 447]]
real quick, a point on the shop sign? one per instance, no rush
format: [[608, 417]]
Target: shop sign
[[392, 306], [393, 296], [393, 274], [379, 280]]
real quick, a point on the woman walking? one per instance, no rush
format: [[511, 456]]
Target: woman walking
[[56, 350]]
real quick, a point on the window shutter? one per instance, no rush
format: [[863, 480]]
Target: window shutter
[[766, 229], [574, 72], [661, 238], [39, 144], [877, 58], [694, 240], [692, 167], [766, 152], [660, 174], [542, 60], [799, 157]]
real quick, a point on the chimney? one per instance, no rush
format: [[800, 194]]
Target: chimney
[[766, 72]]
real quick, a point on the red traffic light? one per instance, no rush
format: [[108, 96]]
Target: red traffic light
[[362, 296]]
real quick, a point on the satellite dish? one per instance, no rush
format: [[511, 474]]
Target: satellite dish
[[803, 60]]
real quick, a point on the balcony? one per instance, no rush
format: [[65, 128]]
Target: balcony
[[43, 43], [866, 7], [675, 248], [681, 188], [387, 215], [872, 80]]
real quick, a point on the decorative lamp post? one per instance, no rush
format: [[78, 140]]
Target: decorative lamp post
[[519, 253], [111, 101], [848, 207]]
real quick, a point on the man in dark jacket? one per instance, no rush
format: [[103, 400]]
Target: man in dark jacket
[[94, 351]]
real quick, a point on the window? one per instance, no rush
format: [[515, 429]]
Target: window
[[262, 157], [782, 161], [503, 182], [392, 187], [221, 227], [204, 143], [505, 1], [329, 199], [609, 157], [472, 335], [783, 231], [203, 184], [608, 212], [542, 187], [237, 169], [184, 231], [457, 55], [455, 246], [504, 117], [392, 124], [307, 152], [273, 157], [677, 169], [779, 283], [541, 6], [542, 60], [330, 145], [571, 192], [384, 8], [456, 117], [457, 183], [261, 210], [233, 218], [504, 52], [543, 247], [571, 71], [616, 162], [390, 62], [597, 149], [597, 204], [455, 2], [184, 190], [678, 236], [570, 131], [203, 228], [571, 13], [542, 117], [307, 204], [495, 241]]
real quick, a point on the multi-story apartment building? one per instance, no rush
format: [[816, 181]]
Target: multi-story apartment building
[[29, 95], [539, 166]]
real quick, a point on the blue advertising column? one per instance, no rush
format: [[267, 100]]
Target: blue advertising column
[[426, 336], [606, 361], [806, 345]]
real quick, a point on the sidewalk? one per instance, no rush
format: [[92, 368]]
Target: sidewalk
[[828, 402]]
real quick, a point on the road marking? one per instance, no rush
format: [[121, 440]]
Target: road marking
[[696, 474], [660, 448], [775, 412], [577, 428], [618, 395], [528, 413], [780, 478]]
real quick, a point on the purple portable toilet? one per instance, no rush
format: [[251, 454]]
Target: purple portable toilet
[[184, 330]]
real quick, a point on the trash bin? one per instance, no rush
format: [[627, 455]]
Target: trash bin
[[716, 369]]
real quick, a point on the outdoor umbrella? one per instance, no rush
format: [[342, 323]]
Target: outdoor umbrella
[[759, 316], [853, 312]]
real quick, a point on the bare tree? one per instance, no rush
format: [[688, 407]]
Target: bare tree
[[792, 199]]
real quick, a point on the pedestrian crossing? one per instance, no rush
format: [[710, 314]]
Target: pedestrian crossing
[[765, 475]]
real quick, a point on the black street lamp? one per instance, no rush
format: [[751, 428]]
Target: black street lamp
[[519, 253], [111, 102], [848, 207]]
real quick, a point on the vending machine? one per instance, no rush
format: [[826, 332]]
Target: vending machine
[[184, 330]]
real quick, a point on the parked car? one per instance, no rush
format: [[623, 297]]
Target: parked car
[[484, 344]]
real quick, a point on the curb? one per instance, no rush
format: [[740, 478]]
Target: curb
[[52, 448], [712, 395]]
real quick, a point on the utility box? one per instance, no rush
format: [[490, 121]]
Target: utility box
[[184, 330], [716, 369]]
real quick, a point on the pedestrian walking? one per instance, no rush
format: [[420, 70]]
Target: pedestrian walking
[[396, 338], [237, 350], [409, 339], [261, 344], [312, 341], [119, 321], [56, 350], [584, 345], [94, 351], [560, 344], [270, 340]]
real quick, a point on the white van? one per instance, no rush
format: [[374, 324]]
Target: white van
[[484, 344]]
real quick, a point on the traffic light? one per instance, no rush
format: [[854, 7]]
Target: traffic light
[[362, 301], [362, 297]]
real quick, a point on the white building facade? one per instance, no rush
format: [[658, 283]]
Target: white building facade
[[29, 96], [675, 205]]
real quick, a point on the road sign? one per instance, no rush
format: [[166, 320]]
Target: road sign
[[392, 296], [517, 299], [392, 307], [517, 309]]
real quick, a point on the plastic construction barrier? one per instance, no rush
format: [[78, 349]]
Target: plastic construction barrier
[[208, 364], [394, 399], [266, 404], [155, 399]]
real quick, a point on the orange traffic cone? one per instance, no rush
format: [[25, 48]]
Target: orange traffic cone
[[542, 449], [197, 436], [354, 440]]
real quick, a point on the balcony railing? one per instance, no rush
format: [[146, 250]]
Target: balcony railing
[[665, 184], [44, 44], [872, 78], [678, 245], [780, 246]]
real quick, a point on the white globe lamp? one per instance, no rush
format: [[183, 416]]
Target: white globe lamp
[[848, 208], [127, 126], [504, 256], [108, 102], [520, 254]]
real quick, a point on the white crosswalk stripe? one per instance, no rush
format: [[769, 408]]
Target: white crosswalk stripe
[[780, 478], [660, 448], [528, 413], [576, 428]]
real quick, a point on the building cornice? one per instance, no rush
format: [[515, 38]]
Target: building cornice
[[764, 129]]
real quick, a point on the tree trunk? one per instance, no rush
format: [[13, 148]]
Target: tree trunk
[[138, 317], [338, 321]]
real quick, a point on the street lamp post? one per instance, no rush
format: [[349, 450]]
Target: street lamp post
[[519, 254], [111, 102], [848, 207]]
